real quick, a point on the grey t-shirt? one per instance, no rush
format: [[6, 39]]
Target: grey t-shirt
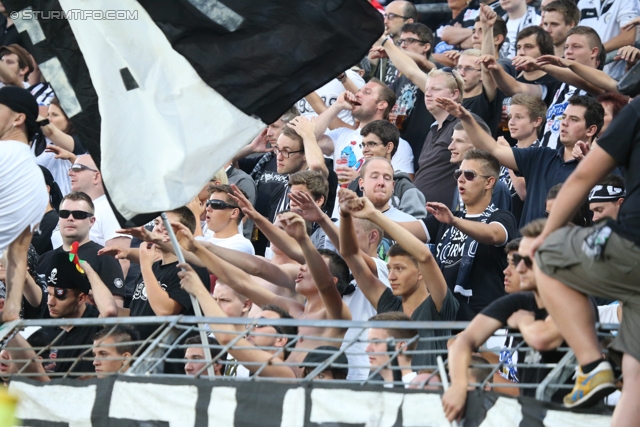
[[426, 311]]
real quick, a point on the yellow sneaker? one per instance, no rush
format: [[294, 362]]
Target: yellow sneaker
[[591, 387]]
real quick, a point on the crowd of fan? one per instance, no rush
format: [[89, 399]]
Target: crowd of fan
[[413, 186]]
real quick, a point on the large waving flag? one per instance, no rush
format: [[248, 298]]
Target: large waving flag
[[164, 92]]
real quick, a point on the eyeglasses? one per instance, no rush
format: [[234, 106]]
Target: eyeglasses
[[460, 68], [285, 154], [409, 41], [80, 167], [76, 214], [469, 175], [370, 144], [219, 205], [392, 16], [527, 261]]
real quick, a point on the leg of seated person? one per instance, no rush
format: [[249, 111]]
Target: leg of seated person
[[573, 314], [627, 411]]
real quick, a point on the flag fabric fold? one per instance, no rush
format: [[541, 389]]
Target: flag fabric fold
[[165, 92]]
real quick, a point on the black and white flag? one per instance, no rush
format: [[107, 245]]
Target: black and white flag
[[164, 92]]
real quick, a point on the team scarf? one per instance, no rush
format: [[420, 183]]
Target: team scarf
[[451, 243]]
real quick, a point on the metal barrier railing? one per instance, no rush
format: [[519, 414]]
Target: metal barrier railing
[[165, 347]]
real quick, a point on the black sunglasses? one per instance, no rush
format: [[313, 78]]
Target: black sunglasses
[[76, 214], [469, 175], [219, 205], [527, 261]]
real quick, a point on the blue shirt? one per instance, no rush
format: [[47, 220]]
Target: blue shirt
[[542, 168]]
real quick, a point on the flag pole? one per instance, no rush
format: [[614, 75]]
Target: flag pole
[[194, 301]]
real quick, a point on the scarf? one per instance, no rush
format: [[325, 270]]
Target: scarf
[[456, 247]]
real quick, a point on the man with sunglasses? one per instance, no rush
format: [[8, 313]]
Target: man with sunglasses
[[523, 311], [469, 243], [68, 298], [76, 220], [223, 217], [86, 177]]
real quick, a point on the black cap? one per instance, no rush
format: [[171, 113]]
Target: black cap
[[606, 193], [64, 274], [21, 101], [321, 354]]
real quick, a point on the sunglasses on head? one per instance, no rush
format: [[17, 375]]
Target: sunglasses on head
[[76, 214], [80, 167], [469, 175], [527, 261], [219, 205]]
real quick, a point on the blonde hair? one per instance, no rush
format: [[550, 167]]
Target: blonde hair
[[471, 52], [452, 80], [221, 177]]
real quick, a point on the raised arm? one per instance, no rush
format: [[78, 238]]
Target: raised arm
[[58, 137], [315, 159], [242, 350], [405, 64], [255, 265], [237, 279], [478, 136], [105, 302], [562, 73], [274, 234], [319, 107], [368, 283], [590, 74], [504, 81], [258, 145], [431, 273], [487, 18], [322, 277], [159, 300]]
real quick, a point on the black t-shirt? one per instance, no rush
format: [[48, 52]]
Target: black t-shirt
[[167, 276], [485, 280], [426, 312], [489, 111], [107, 267], [434, 177], [621, 141], [551, 83], [78, 335], [501, 310], [418, 121], [41, 239]]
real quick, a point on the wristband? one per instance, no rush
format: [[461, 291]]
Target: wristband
[[384, 40]]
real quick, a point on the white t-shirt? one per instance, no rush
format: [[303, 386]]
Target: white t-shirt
[[59, 169], [329, 94], [348, 141], [23, 194], [607, 18], [104, 229], [236, 242], [361, 309]]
